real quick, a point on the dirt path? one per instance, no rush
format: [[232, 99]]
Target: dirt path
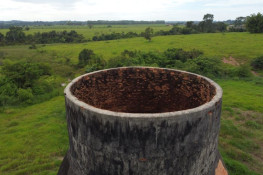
[[232, 61]]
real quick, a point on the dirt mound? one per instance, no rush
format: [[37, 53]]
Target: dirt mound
[[231, 61]]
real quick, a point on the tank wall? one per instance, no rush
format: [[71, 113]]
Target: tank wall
[[105, 144]]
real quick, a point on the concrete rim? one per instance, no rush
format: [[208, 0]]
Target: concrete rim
[[88, 107]]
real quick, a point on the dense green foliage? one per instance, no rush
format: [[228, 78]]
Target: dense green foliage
[[205, 26], [22, 81], [55, 37], [254, 23], [2, 37], [192, 61], [148, 33], [85, 56], [114, 36], [257, 63], [16, 35]]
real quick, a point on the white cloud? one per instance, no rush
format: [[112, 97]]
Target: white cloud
[[230, 3], [126, 9]]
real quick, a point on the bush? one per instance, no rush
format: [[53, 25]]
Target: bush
[[257, 63], [173, 58], [25, 95], [170, 58], [95, 64], [33, 46], [43, 85], [210, 67], [8, 91], [22, 81], [244, 71], [23, 74], [85, 56]]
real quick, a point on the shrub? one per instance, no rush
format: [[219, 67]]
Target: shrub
[[25, 95], [20, 81], [33, 46], [244, 71], [179, 54], [23, 74], [85, 56], [8, 91], [42, 86], [211, 67], [257, 63], [96, 63]]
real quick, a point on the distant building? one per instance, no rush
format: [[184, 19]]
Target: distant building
[[236, 28]]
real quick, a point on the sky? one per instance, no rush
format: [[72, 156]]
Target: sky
[[168, 10]]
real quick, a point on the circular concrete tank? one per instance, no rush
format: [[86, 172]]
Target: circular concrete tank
[[142, 121]]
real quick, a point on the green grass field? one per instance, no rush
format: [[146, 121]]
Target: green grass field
[[96, 29], [241, 46], [34, 138]]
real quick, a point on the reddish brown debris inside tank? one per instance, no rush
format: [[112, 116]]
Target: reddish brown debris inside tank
[[143, 90]]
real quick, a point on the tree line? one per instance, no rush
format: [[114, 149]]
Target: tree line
[[7, 24], [16, 35], [124, 22], [253, 24]]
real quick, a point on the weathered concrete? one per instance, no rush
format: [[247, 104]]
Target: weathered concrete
[[156, 139]]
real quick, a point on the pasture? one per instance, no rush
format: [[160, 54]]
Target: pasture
[[242, 46]]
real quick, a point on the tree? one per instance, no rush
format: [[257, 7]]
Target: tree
[[90, 26], [254, 23], [15, 35], [220, 26], [208, 17], [27, 28], [2, 37], [207, 24], [190, 24], [148, 33], [85, 56], [240, 21], [258, 63]]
